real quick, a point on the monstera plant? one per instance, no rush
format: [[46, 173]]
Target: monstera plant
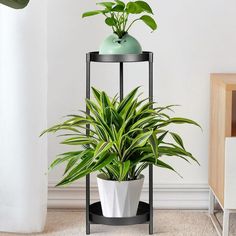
[[17, 4], [121, 17], [120, 140]]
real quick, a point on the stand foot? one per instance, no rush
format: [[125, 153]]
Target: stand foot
[[87, 228], [150, 228]]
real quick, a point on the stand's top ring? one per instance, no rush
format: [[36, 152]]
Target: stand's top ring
[[96, 57]]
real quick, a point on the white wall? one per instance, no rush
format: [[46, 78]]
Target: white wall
[[194, 39], [23, 102]]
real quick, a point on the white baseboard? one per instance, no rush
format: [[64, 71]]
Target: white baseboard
[[165, 196]]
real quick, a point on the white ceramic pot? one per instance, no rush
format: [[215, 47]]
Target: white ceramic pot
[[119, 199]]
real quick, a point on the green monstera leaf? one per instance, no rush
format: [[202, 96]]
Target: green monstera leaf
[[17, 4]]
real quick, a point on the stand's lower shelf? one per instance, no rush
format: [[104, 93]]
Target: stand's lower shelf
[[96, 217]]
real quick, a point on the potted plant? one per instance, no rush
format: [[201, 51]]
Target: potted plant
[[124, 138], [117, 16], [17, 4]]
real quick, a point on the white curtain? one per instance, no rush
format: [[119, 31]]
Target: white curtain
[[23, 90]]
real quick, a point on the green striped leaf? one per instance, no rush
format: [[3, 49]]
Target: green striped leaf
[[178, 120], [63, 158], [139, 141], [177, 139], [101, 148], [97, 95], [79, 141], [79, 170], [141, 168], [75, 159], [114, 170], [104, 161], [154, 144], [124, 169], [126, 101]]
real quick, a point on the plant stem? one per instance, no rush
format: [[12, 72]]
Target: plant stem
[[132, 24], [123, 15], [126, 21], [118, 25]]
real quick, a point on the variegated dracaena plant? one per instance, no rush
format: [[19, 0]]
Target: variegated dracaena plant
[[119, 139]]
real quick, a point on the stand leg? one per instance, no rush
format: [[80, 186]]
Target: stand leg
[[87, 133], [150, 166], [226, 223], [121, 81], [211, 202], [151, 198], [87, 204]]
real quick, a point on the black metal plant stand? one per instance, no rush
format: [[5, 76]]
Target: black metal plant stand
[[145, 210]]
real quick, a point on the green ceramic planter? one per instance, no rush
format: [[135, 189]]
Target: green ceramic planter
[[126, 45], [17, 4]]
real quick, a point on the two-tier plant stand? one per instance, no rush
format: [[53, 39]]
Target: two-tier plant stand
[[145, 210]]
